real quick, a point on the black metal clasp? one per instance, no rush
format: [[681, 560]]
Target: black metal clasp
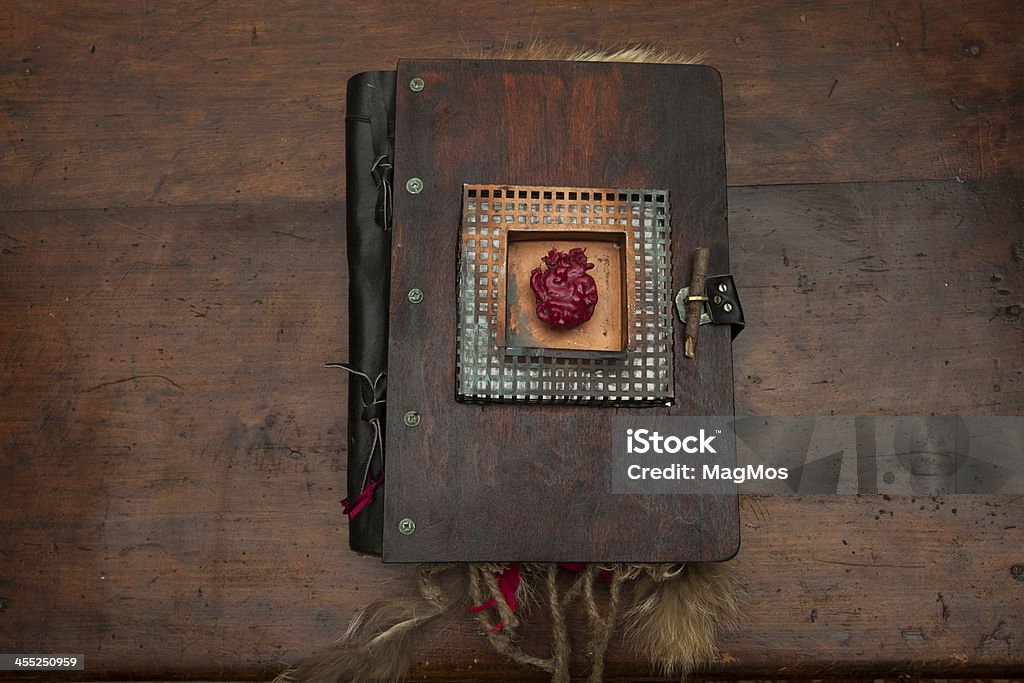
[[721, 303]]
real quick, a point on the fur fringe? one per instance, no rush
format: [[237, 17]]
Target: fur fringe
[[677, 614], [637, 52], [673, 620], [379, 643]]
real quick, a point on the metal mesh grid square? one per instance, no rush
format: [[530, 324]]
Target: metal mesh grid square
[[642, 374]]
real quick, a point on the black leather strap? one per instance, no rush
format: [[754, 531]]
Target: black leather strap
[[374, 411], [382, 130], [724, 302], [369, 144]]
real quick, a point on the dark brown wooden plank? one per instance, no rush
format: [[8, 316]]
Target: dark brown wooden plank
[[168, 531], [167, 430], [142, 104], [867, 584], [882, 298], [840, 586], [476, 499]]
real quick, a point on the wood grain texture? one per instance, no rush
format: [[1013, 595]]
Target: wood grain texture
[[887, 298], [901, 586], [489, 123], [105, 105], [166, 425], [154, 516], [169, 531]]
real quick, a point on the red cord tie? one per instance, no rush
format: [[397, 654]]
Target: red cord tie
[[355, 505], [372, 413], [582, 566], [508, 584]]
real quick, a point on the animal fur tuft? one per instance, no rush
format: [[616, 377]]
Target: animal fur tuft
[[379, 643], [674, 621], [637, 52]]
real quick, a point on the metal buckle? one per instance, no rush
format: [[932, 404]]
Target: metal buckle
[[683, 296]]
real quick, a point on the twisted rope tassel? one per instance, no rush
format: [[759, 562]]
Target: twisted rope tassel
[[485, 588], [601, 628], [673, 620], [675, 615]]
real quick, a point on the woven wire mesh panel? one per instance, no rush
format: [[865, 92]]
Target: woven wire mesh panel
[[488, 371]]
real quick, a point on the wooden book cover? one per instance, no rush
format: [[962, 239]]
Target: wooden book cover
[[497, 435]]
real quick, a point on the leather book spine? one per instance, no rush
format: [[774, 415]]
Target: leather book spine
[[369, 153]]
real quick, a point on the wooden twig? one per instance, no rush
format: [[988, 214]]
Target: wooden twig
[[695, 301]]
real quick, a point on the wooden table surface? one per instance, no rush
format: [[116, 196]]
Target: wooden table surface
[[172, 278]]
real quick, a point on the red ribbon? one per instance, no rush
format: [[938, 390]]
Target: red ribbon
[[508, 584], [582, 566], [355, 505]]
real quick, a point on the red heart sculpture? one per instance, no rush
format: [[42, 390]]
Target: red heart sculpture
[[566, 294]]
